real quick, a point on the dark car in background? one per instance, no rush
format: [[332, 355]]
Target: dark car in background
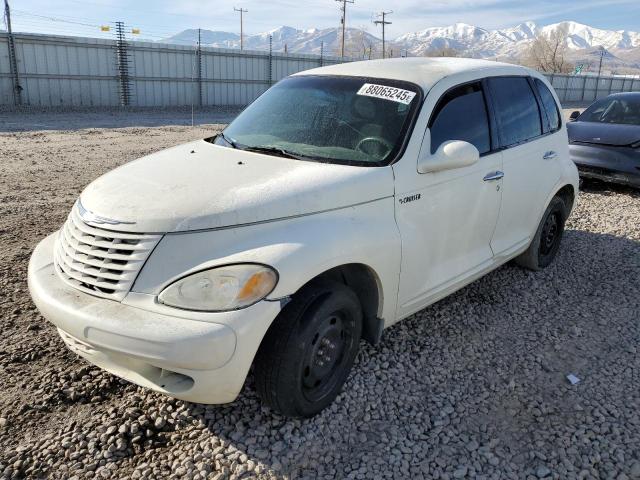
[[604, 140]]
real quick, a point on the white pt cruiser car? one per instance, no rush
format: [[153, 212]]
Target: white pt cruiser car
[[343, 200]]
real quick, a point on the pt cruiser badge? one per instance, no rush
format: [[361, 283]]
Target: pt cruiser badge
[[91, 217], [410, 198]]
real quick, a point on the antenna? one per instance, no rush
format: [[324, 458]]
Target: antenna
[[242, 11], [383, 22]]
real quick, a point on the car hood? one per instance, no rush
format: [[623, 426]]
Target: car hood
[[603, 133], [202, 186]]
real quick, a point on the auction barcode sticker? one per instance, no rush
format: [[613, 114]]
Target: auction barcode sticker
[[388, 93]]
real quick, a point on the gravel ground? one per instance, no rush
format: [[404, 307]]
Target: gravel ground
[[472, 387], [21, 119]]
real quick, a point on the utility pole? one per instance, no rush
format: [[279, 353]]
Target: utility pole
[[600, 66], [344, 21], [383, 22], [599, 72], [13, 62], [199, 67], [242, 11]]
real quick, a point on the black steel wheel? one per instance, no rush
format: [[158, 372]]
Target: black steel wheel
[[326, 354], [550, 233], [546, 242], [307, 354]]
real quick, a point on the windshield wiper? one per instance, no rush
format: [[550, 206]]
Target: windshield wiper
[[270, 149], [229, 140]]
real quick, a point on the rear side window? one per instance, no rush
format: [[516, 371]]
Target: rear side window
[[549, 105], [516, 109], [461, 114]]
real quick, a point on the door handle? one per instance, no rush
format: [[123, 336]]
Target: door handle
[[550, 155], [497, 175]]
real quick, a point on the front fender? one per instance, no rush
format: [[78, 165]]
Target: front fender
[[299, 249]]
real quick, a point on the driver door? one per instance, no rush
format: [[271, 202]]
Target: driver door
[[447, 218]]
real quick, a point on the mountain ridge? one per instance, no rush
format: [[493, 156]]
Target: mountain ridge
[[510, 44]]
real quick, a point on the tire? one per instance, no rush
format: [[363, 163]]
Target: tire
[[307, 354], [546, 242]]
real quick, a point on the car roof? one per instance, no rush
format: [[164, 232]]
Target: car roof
[[422, 71]]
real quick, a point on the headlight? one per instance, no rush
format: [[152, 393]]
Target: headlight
[[221, 289]]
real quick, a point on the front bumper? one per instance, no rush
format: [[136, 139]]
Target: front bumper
[[197, 359], [611, 164]]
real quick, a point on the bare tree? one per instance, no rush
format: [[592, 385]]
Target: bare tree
[[357, 45], [442, 52], [548, 53]]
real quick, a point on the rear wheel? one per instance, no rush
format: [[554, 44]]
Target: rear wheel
[[546, 242], [308, 352]]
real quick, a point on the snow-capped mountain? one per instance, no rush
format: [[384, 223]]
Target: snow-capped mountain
[[510, 42], [583, 41], [583, 36], [301, 41], [207, 37]]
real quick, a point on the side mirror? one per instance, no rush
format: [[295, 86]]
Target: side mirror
[[574, 115], [451, 154]]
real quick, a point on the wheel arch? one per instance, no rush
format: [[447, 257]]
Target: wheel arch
[[568, 195], [366, 284]]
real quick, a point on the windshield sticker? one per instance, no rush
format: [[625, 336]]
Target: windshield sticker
[[387, 93]]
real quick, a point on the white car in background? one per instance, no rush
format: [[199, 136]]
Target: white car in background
[[343, 200]]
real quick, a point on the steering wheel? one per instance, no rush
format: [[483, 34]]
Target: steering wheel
[[377, 140]]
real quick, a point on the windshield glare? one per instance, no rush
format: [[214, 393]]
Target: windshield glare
[[328, 119], [623, 110]]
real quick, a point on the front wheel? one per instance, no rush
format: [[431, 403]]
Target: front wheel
[[307, 354], [546, 242]]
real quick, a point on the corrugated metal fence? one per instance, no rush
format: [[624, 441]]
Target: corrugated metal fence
[[586, 88], [72, 71]]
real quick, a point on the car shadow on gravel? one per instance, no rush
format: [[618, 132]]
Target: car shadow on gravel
[[476, 384], [592, 185]]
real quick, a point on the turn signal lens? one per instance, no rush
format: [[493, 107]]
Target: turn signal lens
[[221, 289]]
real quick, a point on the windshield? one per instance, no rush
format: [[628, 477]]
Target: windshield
[[350, 120], [624, 110]]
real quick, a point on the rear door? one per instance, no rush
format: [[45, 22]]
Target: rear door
[[531, 161]]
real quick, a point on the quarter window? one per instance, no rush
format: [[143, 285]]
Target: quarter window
[[516, 108], [461, 114], [550, 106]]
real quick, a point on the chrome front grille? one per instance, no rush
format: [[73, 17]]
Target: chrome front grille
[[98, 261]]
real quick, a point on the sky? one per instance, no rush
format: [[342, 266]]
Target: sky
[[162, 18]]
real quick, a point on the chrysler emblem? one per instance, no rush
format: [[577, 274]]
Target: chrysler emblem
[[91, 217]]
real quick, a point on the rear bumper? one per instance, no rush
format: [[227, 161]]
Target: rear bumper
[[192, 359], [612, 164]]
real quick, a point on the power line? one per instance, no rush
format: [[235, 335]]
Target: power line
[[48, 23], [384, 23], [344, 21], [38, 20], [54, 19], [242, 11]]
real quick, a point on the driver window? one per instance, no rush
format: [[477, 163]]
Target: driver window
[[461, 114]]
